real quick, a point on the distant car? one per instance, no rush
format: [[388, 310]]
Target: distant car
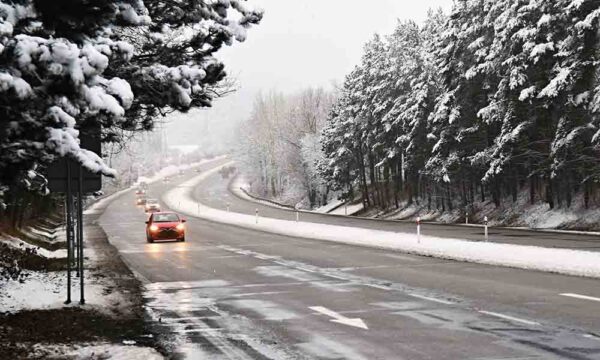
[[165, 226], [152, 205], [166, 179], [181, 172], [140, 191], [198, 170], [141, 200]]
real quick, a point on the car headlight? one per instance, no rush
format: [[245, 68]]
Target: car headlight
[[180, 227], [153, 228]]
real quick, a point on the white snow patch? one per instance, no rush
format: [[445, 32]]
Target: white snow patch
[[110, 351], [348, 210], [49, 290], [240, 183], [329, 207], [17, 243]]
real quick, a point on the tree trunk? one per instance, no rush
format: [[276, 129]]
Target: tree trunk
[[372, 179], [515, 185], [482, 193], [550, 194], [532, 190]]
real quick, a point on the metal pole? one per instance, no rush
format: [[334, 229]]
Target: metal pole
[[80, 234], [227, 207], [467, 218], [257, 215], [297, 216], [76, 235], [419, 229], [69, 230], [346, 209], [485, 221]]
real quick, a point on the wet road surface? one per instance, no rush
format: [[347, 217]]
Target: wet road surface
[[232, 293]]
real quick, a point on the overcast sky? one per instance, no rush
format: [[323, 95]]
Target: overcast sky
[[301, 44]]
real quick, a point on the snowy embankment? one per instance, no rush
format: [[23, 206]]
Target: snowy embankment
[[47, 290], [570, 262], [21, 245], [239, 187]]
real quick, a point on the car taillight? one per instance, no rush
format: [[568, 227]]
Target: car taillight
[[180, 227], [153, 228]]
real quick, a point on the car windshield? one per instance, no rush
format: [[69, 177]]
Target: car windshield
[[152, 201], [165, 218]]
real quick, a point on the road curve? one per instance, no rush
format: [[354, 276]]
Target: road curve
[[233, 293]]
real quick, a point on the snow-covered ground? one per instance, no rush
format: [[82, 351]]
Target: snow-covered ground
[[41, 291], [334, 207], [520, 214], [329, 207], [571, 262], [347, 210], [47, 290], [98, 351], [240, 183], [19, 244]]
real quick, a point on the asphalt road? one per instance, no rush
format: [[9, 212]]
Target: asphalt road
[[233, 293], [214, 192]]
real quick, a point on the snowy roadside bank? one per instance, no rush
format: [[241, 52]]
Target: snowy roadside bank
[[36, 323], [569, 262], [238, 188], [337, 208]]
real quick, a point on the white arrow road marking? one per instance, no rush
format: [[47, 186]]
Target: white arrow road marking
[[340, 319], [582, 297]]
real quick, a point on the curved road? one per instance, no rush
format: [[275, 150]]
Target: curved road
[[232, 293], [216, 193]]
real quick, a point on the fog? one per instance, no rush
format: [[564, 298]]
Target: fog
[[299, 44]]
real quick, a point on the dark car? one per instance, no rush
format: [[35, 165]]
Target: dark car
[[165, 226], [141, 200]]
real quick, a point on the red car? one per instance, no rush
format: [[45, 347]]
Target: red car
[[165, 226]]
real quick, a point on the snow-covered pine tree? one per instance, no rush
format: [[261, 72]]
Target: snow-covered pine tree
[[342, 166], [461, 135], [66, 65]]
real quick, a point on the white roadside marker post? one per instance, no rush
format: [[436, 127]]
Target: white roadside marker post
[[257, 215], [346, 209], [419, 229], [198, 208], [485, 223], [297, 216], [467, 218], [227, 207]]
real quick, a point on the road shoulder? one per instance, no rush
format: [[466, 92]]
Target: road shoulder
[[36, 324]]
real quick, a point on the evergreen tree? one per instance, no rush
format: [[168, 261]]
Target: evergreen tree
[[67, 66]]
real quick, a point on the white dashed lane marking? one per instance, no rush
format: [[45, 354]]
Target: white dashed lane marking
[[510, 318], [445, 302], [581, 297]]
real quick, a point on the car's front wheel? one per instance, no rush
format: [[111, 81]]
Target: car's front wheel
[[181, 239], [149, 239]]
